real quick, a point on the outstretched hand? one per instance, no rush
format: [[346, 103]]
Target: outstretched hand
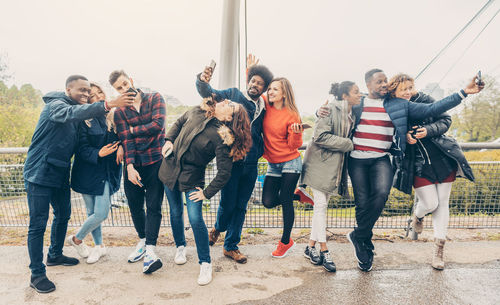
[[473, 87], [252, 61], [126, 99]]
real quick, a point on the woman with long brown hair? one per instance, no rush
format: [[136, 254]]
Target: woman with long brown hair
[[282, 130], [212, 130]]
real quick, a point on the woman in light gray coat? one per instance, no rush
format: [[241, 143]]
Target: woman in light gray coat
[[324, 168]]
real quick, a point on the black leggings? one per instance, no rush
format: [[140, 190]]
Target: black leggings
[[279, 190]]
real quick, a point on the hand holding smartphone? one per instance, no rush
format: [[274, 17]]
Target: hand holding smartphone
[[212, 65], [132, 90]]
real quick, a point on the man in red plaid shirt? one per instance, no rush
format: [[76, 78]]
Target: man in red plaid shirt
[[141, 129]]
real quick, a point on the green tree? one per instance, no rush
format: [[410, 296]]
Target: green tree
[[20, 109], [479, 119]]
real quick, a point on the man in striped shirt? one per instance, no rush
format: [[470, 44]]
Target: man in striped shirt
[[369, 165]]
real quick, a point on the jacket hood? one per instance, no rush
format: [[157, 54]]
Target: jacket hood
[[55, 95]]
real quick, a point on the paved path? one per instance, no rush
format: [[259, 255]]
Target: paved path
[[401, 275]]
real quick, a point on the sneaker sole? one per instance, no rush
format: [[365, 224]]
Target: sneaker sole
[[61, 264], [365, 270], [137, 258], [285, 254], [355, 254], [41, 291], [180, 263], [155, 266]]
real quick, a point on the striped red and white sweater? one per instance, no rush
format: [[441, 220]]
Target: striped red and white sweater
[[374, 134]]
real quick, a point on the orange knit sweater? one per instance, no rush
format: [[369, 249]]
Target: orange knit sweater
[[280, 142]]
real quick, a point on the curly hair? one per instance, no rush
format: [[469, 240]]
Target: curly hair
[[261, 71], [395, 81], [240, 126]]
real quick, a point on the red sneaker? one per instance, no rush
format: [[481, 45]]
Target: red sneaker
[[283, 249], [304, 196]]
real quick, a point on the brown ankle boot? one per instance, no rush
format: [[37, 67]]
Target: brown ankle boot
[[213, 235], [418, 224], [437, 260], [236, 255]]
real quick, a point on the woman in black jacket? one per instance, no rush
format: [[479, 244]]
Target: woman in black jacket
[[212, 130], [431, 163], [96, 174]]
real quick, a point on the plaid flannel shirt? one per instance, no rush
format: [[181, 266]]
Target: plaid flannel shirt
[[143, 145]]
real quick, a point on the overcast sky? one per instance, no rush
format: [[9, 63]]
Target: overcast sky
[[164, 44]]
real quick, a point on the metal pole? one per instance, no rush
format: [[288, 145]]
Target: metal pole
[[229, 44]]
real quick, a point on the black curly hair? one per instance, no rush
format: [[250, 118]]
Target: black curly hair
[[261, 71]]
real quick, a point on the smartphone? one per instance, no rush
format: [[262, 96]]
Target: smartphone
[[305, 126], [479, 81], [212, 65], [131, 89], [140, 183]]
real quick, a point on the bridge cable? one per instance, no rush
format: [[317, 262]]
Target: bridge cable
[[465, 50], [481, 11]]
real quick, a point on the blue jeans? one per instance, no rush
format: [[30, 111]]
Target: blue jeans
[[39, 200], [233, 203], [371, 183], [97, 212], [194, 210]]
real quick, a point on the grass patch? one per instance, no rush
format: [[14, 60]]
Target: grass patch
[[254, 231]]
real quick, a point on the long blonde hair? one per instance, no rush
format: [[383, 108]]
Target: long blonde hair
[[288, 96]]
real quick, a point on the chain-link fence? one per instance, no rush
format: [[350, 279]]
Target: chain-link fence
[[472, 205]]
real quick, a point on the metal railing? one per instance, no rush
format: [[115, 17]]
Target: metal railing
[[472, 205]]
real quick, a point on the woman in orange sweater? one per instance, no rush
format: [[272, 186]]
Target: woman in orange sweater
[[282, 130]]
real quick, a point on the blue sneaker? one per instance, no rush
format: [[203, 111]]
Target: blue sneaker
[[151, 263], [138, 254]]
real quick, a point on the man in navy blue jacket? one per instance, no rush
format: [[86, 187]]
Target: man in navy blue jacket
[[237, 192], [47, 168]]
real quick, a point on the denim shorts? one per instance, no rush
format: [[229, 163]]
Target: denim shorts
[[289, 167]]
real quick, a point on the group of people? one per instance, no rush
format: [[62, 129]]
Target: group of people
[[354, 135]]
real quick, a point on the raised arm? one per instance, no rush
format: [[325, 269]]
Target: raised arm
[[61, 112]]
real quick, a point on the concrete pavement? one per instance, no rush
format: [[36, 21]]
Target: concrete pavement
[[401, 274]]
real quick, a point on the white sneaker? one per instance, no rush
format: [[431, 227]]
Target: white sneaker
[[138, 253], [151, 263], [205, 276], [81, 249], [180, 255], [95, 254]]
